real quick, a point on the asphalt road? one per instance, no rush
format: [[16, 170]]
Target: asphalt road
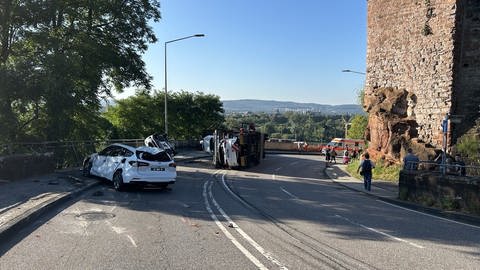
[[282, 214]]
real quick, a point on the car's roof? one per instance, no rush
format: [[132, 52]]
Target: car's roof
[[131, 148], [153, 150]]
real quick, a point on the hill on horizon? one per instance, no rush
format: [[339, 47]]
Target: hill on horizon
[[272, 106]]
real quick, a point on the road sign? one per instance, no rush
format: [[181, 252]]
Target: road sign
[[456, 118], [445, 125]]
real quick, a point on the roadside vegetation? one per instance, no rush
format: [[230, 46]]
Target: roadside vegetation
[[60, 59], [190, 115], [381, 172], [469, 147], [295, 126]]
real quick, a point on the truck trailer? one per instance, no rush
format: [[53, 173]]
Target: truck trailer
[[237, 150]]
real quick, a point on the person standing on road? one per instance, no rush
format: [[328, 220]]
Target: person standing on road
[[365, 169], [333, 156], [410, 161], [355, 153], [346, 156]]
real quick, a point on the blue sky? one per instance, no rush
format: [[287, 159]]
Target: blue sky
[[262, 49]]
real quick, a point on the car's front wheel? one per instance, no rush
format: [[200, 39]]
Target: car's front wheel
[[118, 181], [87, 167]]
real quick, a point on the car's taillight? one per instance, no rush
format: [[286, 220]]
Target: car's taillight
[[173, 164], [138, 163]]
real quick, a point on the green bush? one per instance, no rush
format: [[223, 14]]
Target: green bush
[[449, 203], [468, 146], [380, 172]]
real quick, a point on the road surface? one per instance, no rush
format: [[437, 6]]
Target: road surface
[[283, 214]]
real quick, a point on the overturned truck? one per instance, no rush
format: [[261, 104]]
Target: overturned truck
[[237, 150]]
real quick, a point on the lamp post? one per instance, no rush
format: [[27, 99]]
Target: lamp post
[[352, 71], [444, 143], [166, 90], [346, 129]]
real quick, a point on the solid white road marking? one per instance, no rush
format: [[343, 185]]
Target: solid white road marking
[[245, 236], [428, 215], [132, 241], [379, 232], [288, 193], [233, 193], [232, 239]]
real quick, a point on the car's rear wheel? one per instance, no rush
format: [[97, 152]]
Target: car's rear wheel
[[87, 167], [118, 181]]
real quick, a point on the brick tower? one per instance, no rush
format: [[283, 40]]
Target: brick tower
[[423, 63]]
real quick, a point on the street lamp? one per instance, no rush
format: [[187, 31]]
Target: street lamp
[[166, 91], [346, 129], [352, 71]]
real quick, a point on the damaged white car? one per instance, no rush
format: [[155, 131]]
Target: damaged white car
[[123, 164]]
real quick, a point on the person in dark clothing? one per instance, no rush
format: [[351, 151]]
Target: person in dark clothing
[[410, 161], [333, 156], [365, 169], [460, 165], [355, 153]]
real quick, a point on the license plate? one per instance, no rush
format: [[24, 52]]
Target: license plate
[[158, 169]]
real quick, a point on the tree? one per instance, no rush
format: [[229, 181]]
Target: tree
[[137, 116], [312, 127], [361, 97], [193, 114], [358, 126], [59, 58], [189, 115]]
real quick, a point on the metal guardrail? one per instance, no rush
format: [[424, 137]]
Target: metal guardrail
[[71, 153], [447, 168]]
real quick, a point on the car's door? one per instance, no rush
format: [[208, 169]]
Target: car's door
[[98, 162], [113, 160]]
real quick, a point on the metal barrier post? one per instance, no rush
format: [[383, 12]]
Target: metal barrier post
[[444, 144]]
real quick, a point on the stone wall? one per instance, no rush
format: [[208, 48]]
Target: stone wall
[[449, 192], [466, 98], [410, 60], [23, 166]]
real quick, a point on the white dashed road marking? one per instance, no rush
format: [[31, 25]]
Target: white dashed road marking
[[379, 232], [288, 193]]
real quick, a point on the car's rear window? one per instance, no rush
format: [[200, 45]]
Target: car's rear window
[[160, 156]]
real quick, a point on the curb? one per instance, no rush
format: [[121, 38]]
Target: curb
[[285, 152], [455, 216], [12, 227], [191, 158]]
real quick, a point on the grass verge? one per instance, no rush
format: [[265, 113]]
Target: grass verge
[[381, 172]]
